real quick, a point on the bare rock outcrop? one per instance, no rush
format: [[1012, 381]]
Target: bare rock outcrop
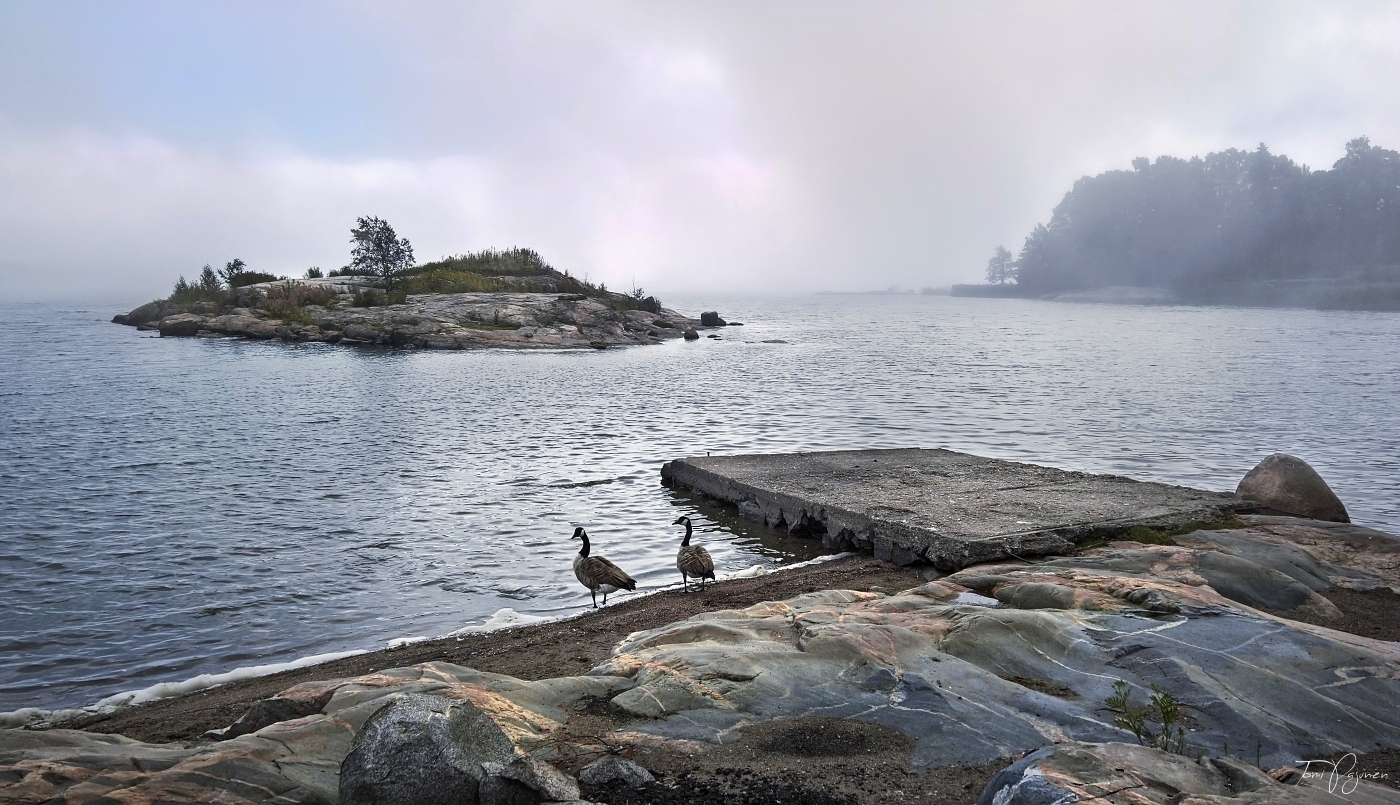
[[1001, 659], [987, 664], [510, 320], [300, 760]]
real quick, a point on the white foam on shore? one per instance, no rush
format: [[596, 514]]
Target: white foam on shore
[[164, 690], [505, 618], [751, 572], [30, 716], [400, 642]]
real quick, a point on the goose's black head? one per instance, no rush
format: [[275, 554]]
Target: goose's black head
[[579, 533], [686, 522]]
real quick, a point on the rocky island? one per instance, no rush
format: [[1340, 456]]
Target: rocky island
[[491, 299], [1247, 661]]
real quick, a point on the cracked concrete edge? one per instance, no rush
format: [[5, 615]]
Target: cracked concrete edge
[[842, 529]]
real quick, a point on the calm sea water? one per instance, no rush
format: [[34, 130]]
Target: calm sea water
[[180, 506]]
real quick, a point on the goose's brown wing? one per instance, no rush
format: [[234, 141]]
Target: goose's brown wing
[[694, 560], [600, 571]]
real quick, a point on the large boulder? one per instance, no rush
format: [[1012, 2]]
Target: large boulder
[[149, 312], [710, 318], [422, 750], [1287, 484]]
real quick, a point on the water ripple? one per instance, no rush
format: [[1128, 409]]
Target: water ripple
[[182, 506]]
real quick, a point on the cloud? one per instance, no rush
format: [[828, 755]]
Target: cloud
[[684, 147], [129, 214]]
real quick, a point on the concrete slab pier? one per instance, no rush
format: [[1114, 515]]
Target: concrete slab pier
[[950, 509]]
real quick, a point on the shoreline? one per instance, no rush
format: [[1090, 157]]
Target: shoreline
[[36, 717], [187, 716], [333, 311], [843, 681]]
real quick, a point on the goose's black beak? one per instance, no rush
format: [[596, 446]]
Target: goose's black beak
[[679, 521]]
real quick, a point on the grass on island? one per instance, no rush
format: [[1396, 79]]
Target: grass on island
[[517, 270]]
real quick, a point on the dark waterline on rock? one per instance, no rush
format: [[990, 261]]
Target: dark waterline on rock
[[182, 506]]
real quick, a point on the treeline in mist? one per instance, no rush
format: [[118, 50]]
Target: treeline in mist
[[1213, 227]]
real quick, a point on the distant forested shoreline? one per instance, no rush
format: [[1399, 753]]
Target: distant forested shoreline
[[1233, 227]]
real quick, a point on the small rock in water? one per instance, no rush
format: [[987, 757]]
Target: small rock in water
[[691, 335], [1287, 484], [712, 336]]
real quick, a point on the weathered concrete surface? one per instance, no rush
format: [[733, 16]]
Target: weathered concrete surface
[[951, 509]]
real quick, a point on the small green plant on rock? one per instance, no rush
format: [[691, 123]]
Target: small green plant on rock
[[288, 302], [1162, 708], [205, 288]]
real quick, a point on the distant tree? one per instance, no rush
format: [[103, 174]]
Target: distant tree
[[231, 271], [208, 280], [1204, 225], [379, 251], [313, 273], [1001, 269]]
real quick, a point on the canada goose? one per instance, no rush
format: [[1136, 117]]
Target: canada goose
[[597, 573], [693, 560]]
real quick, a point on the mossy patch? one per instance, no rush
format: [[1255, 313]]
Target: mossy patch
[[1149, 535]]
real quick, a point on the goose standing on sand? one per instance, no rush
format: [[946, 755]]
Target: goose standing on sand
[[597, 573], [693, 560]]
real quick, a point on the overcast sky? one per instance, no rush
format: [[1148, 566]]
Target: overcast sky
[[742, 146]]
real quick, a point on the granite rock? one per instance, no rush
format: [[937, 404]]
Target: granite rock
[[410, 753], [510, 320], [985, 664], [998, 660], [1288, 485], [296, 761]]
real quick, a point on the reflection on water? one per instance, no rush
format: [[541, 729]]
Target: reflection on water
[[179, 506]]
